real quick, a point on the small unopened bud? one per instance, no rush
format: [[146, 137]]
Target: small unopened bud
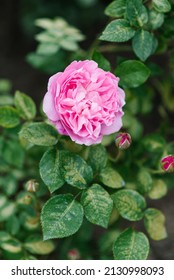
[[73, 254], [168, 163], [123, 140], [32, 186]]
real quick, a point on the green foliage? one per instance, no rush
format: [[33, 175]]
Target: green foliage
[[25, 106], [39, 133], [50, 169], [111, 178], [61, 216], [131, 245], [154, 223], [35, 245], [130, 204], [118, 31], [97, 157], [161, 6], [116, 8], [132, 73], [97, 205], [9, 117]]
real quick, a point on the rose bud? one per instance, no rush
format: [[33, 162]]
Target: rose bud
[[73, 254], [123, 140], [32, 186], [84, 102], [168, 163]]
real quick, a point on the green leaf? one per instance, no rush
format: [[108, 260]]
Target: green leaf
[[155, 19], [9, 117], [101, 60], [154, 143], [159, 189], [13, 225], [7, 208], [61, 216], [75, 170], [25, 106], [97, 157], [47, 48], [12, 245], [131, 245], [130, 204], [116, 8], [13, 153], [35, 245], [50, 170], [117, 31], [142, 44], [40, 133], [136, 12], [144, 181], [69, 44], [154, 222], [97, 205], [161, 6], [111, 178], [132, 73]]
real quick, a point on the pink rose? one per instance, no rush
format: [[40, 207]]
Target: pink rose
[[84, 102]]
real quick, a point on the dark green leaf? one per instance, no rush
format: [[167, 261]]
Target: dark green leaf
[[101, 60], [161, 6], [25, 106], [116, 8], [136, 13], [111, 178], [9, 117], [97, 205], [39, 133], [61, 216], [130, 204], [50, 169], [131, 245], [13, 153], [97, 157], [132, 73], [118, 31], [142, 44], [154, 222], [75, 170]]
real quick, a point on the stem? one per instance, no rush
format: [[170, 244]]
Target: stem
[[113, 48]]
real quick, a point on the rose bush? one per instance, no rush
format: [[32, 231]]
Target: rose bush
[[84, 102]]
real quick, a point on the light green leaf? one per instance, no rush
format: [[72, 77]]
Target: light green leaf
[[116, 8], [61, 216], [101, 60], [97, 205], [40, 133], [131, 245], [132, 73], [69, 44], [75, 170], [12, 246], [155, 19], [97, 157], [130, 204], [111, 178], [161, 6], [144, 181], [9, 117], [154, 222], [159, 189], [47, 48], [136, 13], [7, 209], [142, 44], [35, 245], [50, 169], [25, 105], [117, 31]]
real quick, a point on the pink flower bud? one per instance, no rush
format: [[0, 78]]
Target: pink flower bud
[[123, 140], [73, 254], [168, 163]]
